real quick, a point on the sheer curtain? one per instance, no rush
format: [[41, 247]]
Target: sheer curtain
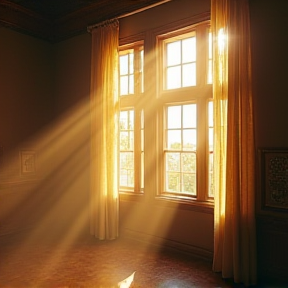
[[235, 235], [104, 105]]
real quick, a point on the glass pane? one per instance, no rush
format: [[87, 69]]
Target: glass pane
[[131, 84], [211, 138], [174, 139], [174, 77], [131, 120], [130, 178], [173, 182], [189, 139], [210, 75], [131, 63], [127, 160], [189, 183], [189, 75], [189, 50], [123, 85], [174, 53], [210, 114], [123, 177], [174, 117], [189, 116], [173, 162], [123, 120], [123, 64], [188, 161], [124, 141]]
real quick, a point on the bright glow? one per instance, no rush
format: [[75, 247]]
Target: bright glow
[[181, 63], [222, 40], [126, 283]]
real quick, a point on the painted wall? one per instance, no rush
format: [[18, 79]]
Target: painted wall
[[26, 93], [269, 26]]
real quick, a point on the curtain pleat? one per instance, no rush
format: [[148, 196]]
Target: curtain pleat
[[104, 111], [235, 229]]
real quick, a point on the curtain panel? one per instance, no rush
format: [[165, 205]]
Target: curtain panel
[[235, 229], [104, 111]]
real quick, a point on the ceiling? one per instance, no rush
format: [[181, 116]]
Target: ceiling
[[55, 20]]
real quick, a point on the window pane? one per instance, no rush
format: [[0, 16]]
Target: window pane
[[174, 77], [131, 63], [188, 162], [174, 53], [189, 183], [173, 162], [189, 50], [189, 116], [131, 120], [173, 182], [124, 64], [124, 140], [174, 117], [174, 139], [131, 84], [123, 120], [210, 114], [127, 169], [189, 139], [189, 75]]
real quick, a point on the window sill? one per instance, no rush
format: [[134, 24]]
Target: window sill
[[131, 196], [186, 204]]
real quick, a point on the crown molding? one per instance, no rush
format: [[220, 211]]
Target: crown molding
[[18, 18]]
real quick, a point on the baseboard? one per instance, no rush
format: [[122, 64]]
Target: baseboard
[[167, 244]]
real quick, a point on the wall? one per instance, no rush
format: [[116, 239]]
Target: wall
[[44, 116], [26, 107], [269, 26]]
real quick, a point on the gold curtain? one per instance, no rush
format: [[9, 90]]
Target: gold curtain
[[234, 165], [104, 110]]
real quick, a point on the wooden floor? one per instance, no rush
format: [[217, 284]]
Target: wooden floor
[[87, 262]]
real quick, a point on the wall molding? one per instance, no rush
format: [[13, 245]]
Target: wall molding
[[167, 244]]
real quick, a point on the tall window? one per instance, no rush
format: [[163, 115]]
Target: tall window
[[179, 115], [186, 100], [131, 135]]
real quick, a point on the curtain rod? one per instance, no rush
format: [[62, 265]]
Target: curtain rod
[[103, 23]]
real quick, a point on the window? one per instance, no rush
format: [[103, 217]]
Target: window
[[131, 134], [177, 104], [187, 113]]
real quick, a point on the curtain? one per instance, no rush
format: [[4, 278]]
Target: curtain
[[234, 164], [104, 111]]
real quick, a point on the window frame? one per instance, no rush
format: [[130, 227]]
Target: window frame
[[131, 102], [202, 92]]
